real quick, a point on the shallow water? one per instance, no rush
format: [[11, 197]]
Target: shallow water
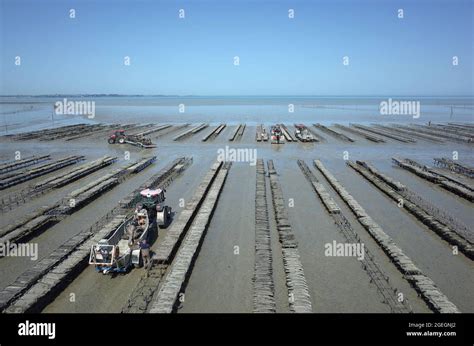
[[29, 112]]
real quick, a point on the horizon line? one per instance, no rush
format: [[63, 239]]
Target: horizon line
[[230, 95]]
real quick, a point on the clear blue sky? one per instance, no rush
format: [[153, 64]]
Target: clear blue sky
[[278, 55]]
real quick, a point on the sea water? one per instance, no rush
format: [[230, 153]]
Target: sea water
[[22, 113]]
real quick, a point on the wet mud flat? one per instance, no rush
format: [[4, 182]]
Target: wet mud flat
[[221, 278]]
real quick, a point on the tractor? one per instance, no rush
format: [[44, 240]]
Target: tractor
[[118, 136], [154, 199]]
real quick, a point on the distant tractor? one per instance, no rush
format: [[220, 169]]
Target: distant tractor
[[120, 137], [303, 133], [277, 135]]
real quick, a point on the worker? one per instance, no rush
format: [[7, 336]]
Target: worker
[[145, 250], [141, 217], [131, 231], [99, 257], [105, 254], [138, 208]]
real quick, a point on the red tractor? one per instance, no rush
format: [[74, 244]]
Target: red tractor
[[118, 136]]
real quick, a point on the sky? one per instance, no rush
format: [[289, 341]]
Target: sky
[[278, 55]]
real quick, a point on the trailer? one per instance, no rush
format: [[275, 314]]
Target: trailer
[[120, 137], [122, 250]]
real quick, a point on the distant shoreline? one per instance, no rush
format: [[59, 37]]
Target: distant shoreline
[[245, 96]]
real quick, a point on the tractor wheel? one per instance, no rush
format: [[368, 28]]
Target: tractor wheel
[[121, 140], [111, 141]]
